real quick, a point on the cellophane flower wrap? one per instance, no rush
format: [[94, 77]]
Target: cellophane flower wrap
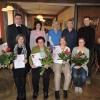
[[46, 63], [6, 58], [65, 55], [79, 59]]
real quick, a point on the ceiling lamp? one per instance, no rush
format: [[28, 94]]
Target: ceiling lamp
[[4, 9], [8, 8], [39, 17], [42, 20]]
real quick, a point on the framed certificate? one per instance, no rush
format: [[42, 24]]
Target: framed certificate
[[19, 61]]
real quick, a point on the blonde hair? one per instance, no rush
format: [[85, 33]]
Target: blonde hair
[[20, 35], [55, 22]]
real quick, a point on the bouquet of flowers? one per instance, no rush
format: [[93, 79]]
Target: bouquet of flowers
[[65, 55], [6, 58], [79, 59], [46, 62]]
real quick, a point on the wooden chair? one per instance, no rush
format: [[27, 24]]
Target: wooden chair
[[97, 66]]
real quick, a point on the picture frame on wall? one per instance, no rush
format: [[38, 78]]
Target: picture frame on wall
[[95, 21]]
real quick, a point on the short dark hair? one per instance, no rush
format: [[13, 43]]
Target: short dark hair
[[37, 22], [17, 14], [40, 38], [86, 17]]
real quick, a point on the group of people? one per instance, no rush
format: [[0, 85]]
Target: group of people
[[21, 41]]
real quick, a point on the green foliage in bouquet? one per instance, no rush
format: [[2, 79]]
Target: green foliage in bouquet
[[6, 59], [46, 62], [65, 55], [79, 59]]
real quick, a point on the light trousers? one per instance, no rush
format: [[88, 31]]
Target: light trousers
[[66, 70]]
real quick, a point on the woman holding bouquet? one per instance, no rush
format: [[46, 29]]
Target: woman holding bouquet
[[61, 65], [79, 68], [19, 73], [44, 52]]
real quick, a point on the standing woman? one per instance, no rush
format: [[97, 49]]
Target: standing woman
[[80, 72], [54, 34], [43, 51], [58, 68], [20, 73], [36, 33]]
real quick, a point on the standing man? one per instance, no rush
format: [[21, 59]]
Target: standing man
[[70, 34], [88, 33], [17, 28], [12, 32]]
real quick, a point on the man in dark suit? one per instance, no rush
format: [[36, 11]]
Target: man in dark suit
[[88, 33], [70, 34], [12, 32], [17, 28]]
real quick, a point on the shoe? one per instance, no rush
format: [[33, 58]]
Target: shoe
[[57, 96], [80, 90], [76, 89], [45, 95], [65, 94], [88, 81], [35, 95]]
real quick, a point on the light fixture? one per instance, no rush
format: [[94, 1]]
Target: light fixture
[[39, 17], [42, 20], [8, 8]]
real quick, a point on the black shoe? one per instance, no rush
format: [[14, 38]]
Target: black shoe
[[65, 94], [35, 95], [45, 95], [57, 96]]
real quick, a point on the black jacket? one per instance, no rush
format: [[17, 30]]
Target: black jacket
[[88, 33], [13, 31]]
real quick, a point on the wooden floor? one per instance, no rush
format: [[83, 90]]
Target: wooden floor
[[8, 90]]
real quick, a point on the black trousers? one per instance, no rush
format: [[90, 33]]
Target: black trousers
[[20, 82], [36, 78], [91, 61]]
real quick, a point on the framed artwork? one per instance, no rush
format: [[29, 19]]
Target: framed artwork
[[95, 21]]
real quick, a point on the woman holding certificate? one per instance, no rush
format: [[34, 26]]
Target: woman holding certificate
[[37, 53], [61, 65], [19, 67]]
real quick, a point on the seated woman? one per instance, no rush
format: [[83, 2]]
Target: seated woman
[[59, 67], [80, 72], [43, 51], [98, 50]]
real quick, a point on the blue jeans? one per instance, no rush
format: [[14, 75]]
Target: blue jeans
[[79, 76]]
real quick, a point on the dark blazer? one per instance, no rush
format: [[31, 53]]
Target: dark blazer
[[13, 31], [88, 33], [71, 38]]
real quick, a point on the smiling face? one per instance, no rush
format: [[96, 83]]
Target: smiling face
[[38, 26], [55, 25], [81, 42], [21, 41], [70, 24], [40, 43], [18, 20], [86, 21], [62, 42]]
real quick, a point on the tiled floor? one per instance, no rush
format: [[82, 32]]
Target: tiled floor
[[8, 90]]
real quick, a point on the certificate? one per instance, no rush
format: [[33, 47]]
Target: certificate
[[36, 59], [19, 61]]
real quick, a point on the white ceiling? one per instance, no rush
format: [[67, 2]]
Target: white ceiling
[[42, 8]]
